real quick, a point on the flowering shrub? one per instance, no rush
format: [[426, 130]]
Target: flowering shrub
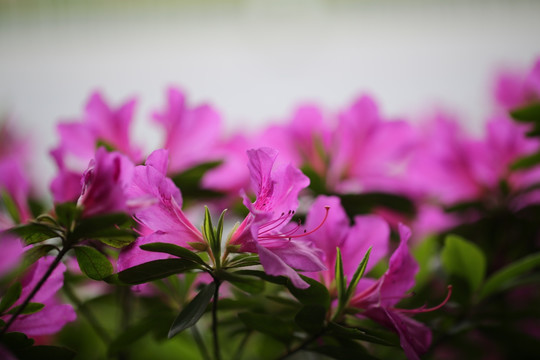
[[349, 236]]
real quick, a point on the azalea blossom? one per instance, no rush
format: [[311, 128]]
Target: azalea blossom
[[378, 300], [367, 152], [156, 204], [104, 183], [101, 125], [54, 314], [264, 231], [191, 134]]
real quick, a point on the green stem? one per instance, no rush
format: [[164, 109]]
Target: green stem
[[217, 353], [38, 286], [87, 313], [200, 343]]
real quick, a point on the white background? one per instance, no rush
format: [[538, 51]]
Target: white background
[[254, 60]]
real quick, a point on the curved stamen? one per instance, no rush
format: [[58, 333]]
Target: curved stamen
[[423, 309], [289, 235], [277, 222]]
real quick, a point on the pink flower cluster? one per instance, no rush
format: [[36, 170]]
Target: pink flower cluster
[[356, 151]]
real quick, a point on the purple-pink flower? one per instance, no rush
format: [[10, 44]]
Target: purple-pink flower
[[54, 314], [101, 125], [105, 183], [191, 134], [265, 230], [156, 203]]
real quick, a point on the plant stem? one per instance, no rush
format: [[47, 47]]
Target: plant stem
[[217, 354], [302, 345], [200, 343], [38, 286], [87, 313]]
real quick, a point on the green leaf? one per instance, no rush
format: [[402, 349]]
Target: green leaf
[[210, 236], [67, 213], [315, 294], [30, 308], [93, 263], [37, 252], [529, 113], [97, 226], [268, 324], [244, 260], [45, 352], [174, 250], [425, 254], [464, 259], [341, 281], [117, 238], [12, 294], [219, 228], [33, 233], [357, 275], [245, 283], [526, 162], [193, 311], [357, 334], [11, 207], [355, 204], [154, 270], [501, 278], [15, 341], [311, 318], [343, 349], [189, 181]]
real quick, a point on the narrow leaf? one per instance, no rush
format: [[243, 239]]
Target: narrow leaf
[[155, 270], [245, 283], [93, 227], [526, 162], [358, 275], [464, 259], [11, 207], [311, 318], [341, 282], [93, 263], [66, 213], [37, 252], [30, 308], [193, 311], [358, 334], [174, 250], [33, 233], [498, 280], [219, 228], [315, 294], [10, 297], [529, 113], [268, 324]]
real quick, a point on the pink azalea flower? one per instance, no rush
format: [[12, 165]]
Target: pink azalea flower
[[100, 124], [378, 300], [54, 315], [104, 184], [157, 205], [514, 88], [354, 241], [264, 231], [305, 139], [12, 251], [367, 152], [191, 133]]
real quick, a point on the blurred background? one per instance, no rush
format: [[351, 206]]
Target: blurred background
[[254, 60]]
